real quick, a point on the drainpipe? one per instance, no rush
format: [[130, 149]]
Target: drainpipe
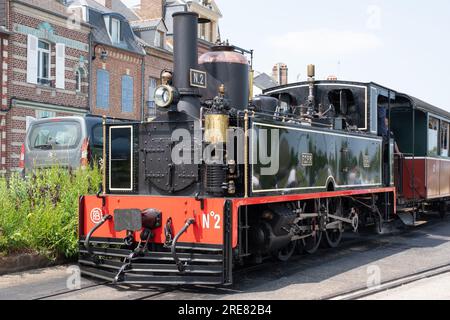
[[1, 72], [143, 87], [90, 73]]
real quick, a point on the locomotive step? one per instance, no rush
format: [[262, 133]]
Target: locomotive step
[[153, 268], [409, 220], [180, 245], [154, 256], [204, 264], [420, 223], [142, 279]]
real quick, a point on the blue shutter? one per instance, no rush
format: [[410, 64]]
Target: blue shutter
[[127, 94], [102, 89]]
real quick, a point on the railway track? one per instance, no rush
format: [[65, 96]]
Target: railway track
[[256, 271], [55, 295], [392, 284], [134, 292], [142, 293], [347, 243]]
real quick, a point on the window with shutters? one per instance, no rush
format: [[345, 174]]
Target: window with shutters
[[127, 94], [102, 89], [43, 62]]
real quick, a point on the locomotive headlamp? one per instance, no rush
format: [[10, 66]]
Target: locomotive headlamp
[[166, 95]]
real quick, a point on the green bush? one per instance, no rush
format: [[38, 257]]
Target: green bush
[[40, 213]]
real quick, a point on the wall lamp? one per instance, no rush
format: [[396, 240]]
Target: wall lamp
[[104, 55]]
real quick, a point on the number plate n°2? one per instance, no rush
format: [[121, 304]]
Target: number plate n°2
[[198, 79]]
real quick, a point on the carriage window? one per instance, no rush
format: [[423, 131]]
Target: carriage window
[[433, 137], [445, 139]]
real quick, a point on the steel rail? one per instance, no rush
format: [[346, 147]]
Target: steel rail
[[391, 284]]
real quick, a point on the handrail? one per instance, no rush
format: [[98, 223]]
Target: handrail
[[87, 241], [180, 265]]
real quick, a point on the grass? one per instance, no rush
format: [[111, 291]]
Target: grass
[[40, 213]]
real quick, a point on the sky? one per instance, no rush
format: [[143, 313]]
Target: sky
[[401, 44]]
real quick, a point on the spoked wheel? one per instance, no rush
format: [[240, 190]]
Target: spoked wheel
[[333, 237], [286, 253], [312, 244]]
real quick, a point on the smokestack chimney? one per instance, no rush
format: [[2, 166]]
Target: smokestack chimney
[[105, 3], [185, 35]]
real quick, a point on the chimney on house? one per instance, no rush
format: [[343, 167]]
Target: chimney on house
[[280, 73], [150, 9], [106, 3]]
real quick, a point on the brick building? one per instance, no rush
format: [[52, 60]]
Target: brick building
[[117, 61], [47, 60], [152, 37], [132, 46], [4, 65], [208, 11], [154, 27], [74, 57]]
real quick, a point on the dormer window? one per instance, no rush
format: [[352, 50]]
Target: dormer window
[[114, 30], [202, 33], [159, 39]]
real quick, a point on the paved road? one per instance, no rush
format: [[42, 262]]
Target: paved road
[[361, 260]]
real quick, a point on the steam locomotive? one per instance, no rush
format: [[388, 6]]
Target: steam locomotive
[[216, 181]]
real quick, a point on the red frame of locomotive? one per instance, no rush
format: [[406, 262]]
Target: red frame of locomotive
[[93, 208]]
